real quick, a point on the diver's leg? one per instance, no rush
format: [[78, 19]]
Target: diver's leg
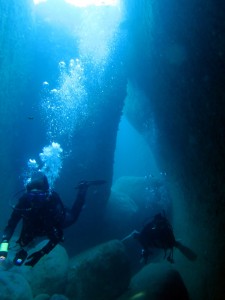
[[26, 235]]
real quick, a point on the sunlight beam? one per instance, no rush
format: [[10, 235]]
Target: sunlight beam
[[39, 1], [84, 3]]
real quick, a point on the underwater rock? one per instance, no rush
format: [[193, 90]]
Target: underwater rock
[[14, 286], [124, 203], [146, 192], [53, 297], [42, 297], [149, 194], [131, 186], [58, 297], [49, 275], [100, 273], [119, 205], [158, 281]]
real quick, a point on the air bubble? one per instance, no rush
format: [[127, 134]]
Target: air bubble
[[62, 64]]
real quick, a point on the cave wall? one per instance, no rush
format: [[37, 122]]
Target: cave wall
[[177, 60]]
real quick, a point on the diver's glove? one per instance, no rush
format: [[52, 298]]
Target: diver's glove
[[84, 185], [4, 246], [34, 258]]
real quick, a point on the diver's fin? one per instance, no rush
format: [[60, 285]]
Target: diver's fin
[[187, 252], [86, 183]]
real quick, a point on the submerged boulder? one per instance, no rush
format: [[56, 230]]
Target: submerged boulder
[[100, 273], [49, 275], [58, 297], [42, 297], [158, 281], [120, 205], [14, 286], [149, 193]]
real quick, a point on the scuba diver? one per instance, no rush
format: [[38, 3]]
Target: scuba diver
[[43, 214], [158, 233]]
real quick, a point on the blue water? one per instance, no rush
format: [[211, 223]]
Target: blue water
[[133, 157]]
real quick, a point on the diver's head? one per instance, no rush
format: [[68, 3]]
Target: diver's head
[[38, 182]]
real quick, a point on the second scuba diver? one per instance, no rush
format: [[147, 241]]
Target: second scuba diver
[[158, 233]]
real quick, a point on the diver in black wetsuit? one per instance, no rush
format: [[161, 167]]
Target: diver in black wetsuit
[[158, 233], [43, 214]]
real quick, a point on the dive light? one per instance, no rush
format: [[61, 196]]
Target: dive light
[[4, 246]]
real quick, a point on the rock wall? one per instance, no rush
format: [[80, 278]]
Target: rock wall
[[177, 61]]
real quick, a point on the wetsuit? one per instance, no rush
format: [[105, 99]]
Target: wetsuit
[[159, 234], [43, 214]]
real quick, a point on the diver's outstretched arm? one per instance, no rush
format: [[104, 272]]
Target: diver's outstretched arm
[[71, 215], [133, 235]]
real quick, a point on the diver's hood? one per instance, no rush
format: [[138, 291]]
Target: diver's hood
[[39, 182]]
